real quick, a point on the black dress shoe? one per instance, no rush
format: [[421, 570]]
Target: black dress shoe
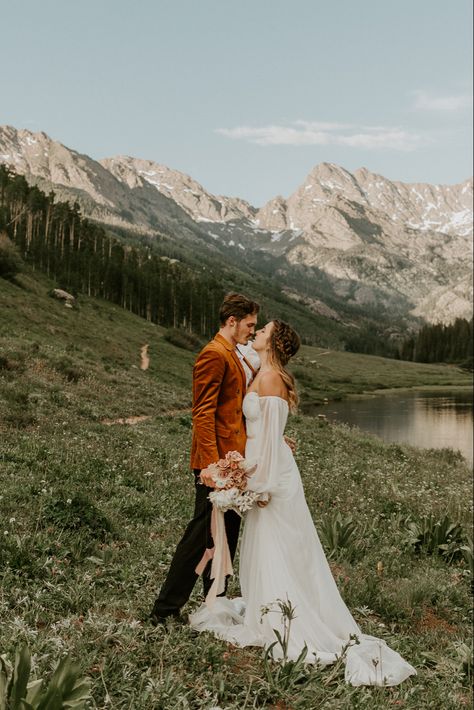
[[173, 618]]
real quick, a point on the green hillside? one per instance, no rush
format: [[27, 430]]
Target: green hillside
[[87, 360], [92, 507], [173, 278]]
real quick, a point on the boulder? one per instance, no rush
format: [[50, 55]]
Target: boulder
[[61, 295]]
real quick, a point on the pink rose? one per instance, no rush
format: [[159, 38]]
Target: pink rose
[[224, 472], [234, 456]]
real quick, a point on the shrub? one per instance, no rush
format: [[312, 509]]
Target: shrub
[[78, 514], [464, 662], [467, 364], [66, 688], [20, 419], [442, 537], [13, 361], [337, 534], [68, 369], [183, 339], [303, 376], [468, 556], [10, 260], [21, 557], [19, 412], [186, 421]]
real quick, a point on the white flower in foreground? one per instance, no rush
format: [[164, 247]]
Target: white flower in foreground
[[224, 500], [246, 500], [233, 499]]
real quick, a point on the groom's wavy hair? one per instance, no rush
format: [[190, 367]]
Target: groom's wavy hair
[[237, 305], [284, 343]]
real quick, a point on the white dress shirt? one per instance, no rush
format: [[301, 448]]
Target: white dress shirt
[[249, 353]]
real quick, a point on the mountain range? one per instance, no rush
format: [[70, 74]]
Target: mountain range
[[343, 243]]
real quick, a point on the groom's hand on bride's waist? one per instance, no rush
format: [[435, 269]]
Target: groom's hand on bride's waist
[[291, 443]]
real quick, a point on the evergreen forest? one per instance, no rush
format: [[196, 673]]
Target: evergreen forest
[[84, 257]]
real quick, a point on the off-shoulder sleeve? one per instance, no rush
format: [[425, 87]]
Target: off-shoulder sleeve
[[270, 440]]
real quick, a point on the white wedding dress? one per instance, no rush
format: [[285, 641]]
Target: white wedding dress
[[282, 558]]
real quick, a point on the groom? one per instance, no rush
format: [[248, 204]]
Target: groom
[[221, 375]]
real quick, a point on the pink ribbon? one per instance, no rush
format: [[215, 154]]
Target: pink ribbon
[[220, 556]]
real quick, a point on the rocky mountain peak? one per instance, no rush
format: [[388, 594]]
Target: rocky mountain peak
[[378, 242], [49, 162], [199, 204], [273, 215]]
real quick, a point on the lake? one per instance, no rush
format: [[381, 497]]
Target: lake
[[424, 418]]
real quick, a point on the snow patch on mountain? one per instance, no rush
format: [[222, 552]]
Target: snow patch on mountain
[[367, 234]]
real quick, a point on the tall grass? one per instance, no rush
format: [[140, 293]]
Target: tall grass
[[90, 514]]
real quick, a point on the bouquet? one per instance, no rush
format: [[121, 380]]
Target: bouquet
[[230, 476]]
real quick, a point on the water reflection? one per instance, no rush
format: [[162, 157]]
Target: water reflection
[[428, 419]]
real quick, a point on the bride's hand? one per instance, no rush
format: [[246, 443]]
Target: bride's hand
[[206, 478]]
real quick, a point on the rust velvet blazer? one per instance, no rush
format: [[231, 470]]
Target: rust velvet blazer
[[219, 385]]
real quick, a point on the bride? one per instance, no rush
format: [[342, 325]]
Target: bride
[[281, 557]]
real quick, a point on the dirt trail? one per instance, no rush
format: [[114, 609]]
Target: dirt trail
[[145, 359], [127, 420]]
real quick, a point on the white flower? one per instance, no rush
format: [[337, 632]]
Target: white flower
[[247, 500], [224, 500], [233, 499]]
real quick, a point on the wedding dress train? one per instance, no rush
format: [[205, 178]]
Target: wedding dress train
[[281, 558]]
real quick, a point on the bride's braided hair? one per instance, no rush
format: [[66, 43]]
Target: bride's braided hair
[[284, 343]]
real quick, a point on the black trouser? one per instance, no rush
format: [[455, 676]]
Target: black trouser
[[181, 576]]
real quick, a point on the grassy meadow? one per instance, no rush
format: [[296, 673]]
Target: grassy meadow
[[91, 511]]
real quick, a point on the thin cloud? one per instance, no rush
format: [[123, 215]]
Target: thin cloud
[[303, 133], [449, 104]]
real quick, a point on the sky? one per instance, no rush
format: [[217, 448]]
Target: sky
[[247, 96]]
